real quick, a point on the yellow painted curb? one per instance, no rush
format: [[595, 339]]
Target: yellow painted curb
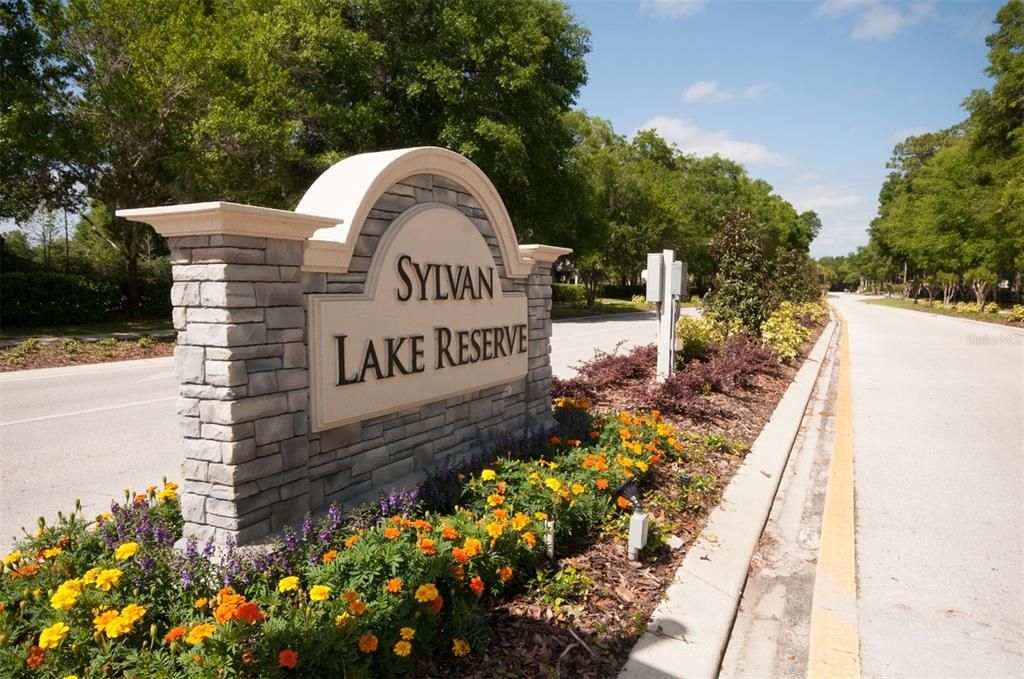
[[834, 649]]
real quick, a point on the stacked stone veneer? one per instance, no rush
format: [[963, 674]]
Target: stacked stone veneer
[[252, 465]]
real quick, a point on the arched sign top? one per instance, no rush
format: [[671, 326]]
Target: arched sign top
[[349, 189]]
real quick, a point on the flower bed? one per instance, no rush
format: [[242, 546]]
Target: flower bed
[[373, 594]]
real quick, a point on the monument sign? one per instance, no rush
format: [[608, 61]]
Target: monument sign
[[390, 323]]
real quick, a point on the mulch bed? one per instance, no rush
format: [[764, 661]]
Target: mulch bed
[[593, 638], [28, 356]]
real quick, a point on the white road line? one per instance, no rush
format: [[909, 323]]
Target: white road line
[[86, 412]]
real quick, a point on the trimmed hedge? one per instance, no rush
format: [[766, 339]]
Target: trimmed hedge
[[47, 298], [568, 293], [622, 291]]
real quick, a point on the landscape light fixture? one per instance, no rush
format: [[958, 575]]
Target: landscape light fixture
[[638, 522]]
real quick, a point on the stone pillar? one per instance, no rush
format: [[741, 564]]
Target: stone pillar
[[538, 380], [241, 366]]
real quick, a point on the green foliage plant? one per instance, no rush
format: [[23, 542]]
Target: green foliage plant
[[784, 332]]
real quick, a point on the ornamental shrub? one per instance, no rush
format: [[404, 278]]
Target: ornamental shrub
[[1016, 314], [368, 595], [991, 308], [565, 293], [784, 332], [698, 334], [46, 298]]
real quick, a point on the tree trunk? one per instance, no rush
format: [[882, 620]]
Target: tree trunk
[[131, 253], [980, 291]]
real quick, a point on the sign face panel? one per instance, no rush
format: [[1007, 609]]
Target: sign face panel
[[433, 323]]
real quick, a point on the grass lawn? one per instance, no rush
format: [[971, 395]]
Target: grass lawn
[[601, 306], [923, 306], [132, 325]]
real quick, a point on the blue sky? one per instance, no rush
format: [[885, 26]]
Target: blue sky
[[810, 96]]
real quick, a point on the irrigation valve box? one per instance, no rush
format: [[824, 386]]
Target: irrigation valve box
[[638, 524]]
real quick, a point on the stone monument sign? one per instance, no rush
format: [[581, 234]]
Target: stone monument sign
[[324, 355]]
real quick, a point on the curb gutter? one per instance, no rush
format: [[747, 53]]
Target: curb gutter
[[689, 630]]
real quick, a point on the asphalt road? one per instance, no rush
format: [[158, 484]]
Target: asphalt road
[[938, 429], [88, 432]]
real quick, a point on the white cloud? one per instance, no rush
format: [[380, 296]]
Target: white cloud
[[691, 139], [709, 91], [673, 9], [822, 198], [875, 19]]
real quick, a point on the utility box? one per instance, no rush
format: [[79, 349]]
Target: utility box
[[679, 278], [654, 267]]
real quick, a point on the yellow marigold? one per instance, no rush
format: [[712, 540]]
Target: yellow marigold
[[200, 602], [126, 551], [169, 492], [494, 500], [407, 633], [103, 618], [641, 465], [577, 489], [534, 478], [319, 593], [107, 578], [460, 647], [553, 483], [495, 530], [133, 613], [488, 475], [403, 648], [519, 521], [12, 558], [118, 627], [541, 516], [66, 595], [89, 577], [472, 547], [426, 593], [51, 552], [53, 635], [288, 584], [200, 633], [343, 619]]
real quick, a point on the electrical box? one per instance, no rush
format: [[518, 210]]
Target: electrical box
[[654, 266], [638, 526], [679, 278]]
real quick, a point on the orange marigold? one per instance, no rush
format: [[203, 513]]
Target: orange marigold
[[427, 546], [505, 573], [472, 546], [500, 514], [368, 643], [391, 533], [329, 556], [530, 539], [460, 554], [394, 585], [437, 604], [249, 613], [288, 658], [476, 584], [449, 533], [174, 634], [622, 502], [357, 607], [351, 540], [602, 484], [556, 441]]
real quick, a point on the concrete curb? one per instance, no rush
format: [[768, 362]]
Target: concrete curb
[[689, 630]]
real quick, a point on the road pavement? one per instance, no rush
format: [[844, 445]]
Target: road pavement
[[90, 431], [938, 459], [938, 429]]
